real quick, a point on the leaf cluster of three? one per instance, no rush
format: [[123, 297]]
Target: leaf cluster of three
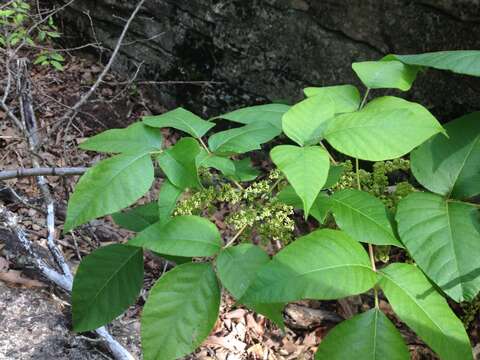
[[440, 229]]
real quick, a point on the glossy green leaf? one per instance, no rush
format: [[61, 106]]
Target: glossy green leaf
[[244, 170], [136, 138], [179, 163], [107, 282], [345, 97], [167, 200], [269, 113], [237, 267], [306, 121], [222, 164], [320, 207], [137, 218], [444, 239], [418, 304], [242, 139], [111, 185], [325, 264], [363, 217], [182, 120], [386, 74], [306, 169], [180, 312], [387, 128], [451, 166], [186, 235], [334, 174], [459, 61], [367, 336]]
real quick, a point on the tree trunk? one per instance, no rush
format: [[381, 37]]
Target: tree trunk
[[268, 50]]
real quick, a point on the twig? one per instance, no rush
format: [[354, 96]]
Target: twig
[[71, 114]]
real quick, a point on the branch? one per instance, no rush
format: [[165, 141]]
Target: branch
[[74, 110], [41, 171], [51, 171]]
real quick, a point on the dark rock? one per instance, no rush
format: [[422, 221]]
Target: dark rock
[[268, 50]]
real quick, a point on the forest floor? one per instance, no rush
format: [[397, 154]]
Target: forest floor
[[238, 334]]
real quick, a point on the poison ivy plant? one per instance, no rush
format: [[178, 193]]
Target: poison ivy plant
[[432, 220]]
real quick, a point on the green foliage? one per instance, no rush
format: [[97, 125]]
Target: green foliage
[[442, 237], [363, 217], [295, 272], [386, 74], [379, 207], [388, 127], [346, 341], [22, 27], [306, 168], [422, 308], [346, 98], [107, 282], [184, 304], [451, 166]]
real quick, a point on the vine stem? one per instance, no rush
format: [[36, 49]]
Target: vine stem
[[328, 152]]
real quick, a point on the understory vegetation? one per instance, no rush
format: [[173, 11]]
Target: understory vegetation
[[366, 195]]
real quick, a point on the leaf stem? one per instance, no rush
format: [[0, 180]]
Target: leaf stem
[[370, 246], [236, 236], [204, 146], [357, 173], [329, 155], [364, 100]]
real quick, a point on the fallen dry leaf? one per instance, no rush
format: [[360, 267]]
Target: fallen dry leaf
[[15, 277]]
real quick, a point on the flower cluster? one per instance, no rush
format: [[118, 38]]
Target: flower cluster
[[253, 207]]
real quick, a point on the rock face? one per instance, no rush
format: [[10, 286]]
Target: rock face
[[264, 50]]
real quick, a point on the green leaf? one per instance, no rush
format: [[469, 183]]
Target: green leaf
[[269, 113], [244, 170], [319, 210], [306, 169], [460, 61], [222, 164], [417, 303], [182, 120], [107, 282], [111, 185], [136, 138], [325, 264], [386, 74], [167, 200], [180, 312], [186, 236], [137, 218], [179, 163], [237, 267], [451, 166], [386, 128], [306, 121], [363, 217], [242, 139], [345, 97], [443, 237], [56, 65], [335, 172], [368, 336]]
